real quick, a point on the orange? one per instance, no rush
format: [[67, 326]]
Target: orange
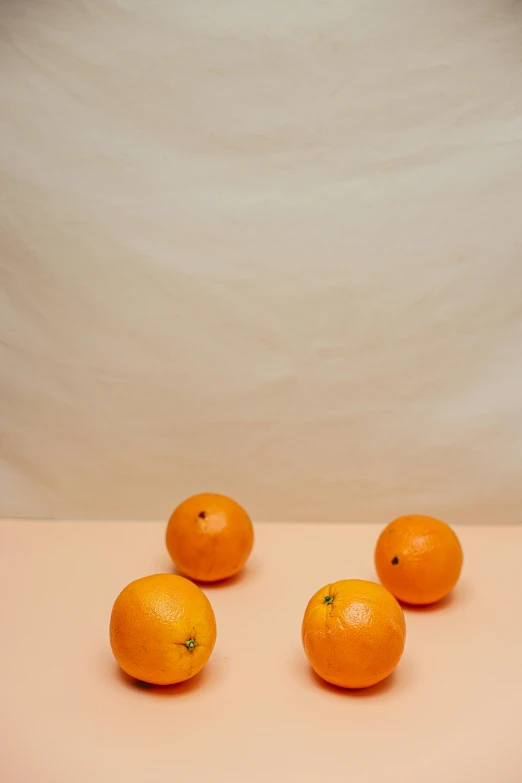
[[209, 537], [353, 633], [162, 629], [418, 559]]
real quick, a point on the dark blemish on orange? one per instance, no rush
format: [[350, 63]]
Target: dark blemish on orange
[[395, 560], [202, 515]]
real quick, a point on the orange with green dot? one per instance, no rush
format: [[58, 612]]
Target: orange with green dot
[[162, 629], [353, 633]]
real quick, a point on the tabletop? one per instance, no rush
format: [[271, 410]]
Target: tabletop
[[450, 711]]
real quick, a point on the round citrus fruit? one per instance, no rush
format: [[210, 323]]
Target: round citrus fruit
[[209, 537], [353, 633], [418, 559], [162, 629]]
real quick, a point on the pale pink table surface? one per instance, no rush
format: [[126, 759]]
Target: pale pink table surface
[[452, 712]]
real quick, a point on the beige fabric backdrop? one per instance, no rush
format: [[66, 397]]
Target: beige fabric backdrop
[[267, 248]]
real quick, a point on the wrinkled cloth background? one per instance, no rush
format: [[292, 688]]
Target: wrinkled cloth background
[[269, 249]]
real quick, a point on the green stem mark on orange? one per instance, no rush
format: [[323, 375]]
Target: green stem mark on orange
[[328, 599], [190, 644]]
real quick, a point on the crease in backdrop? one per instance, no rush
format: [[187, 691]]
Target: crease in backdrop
[[273, 250]]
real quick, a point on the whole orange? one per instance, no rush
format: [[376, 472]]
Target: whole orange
[[353, 633], [209, 537], [162, 629], [418, 559]]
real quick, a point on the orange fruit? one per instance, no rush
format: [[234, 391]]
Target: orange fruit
[[209, 537], [162, 629], [353, 633], [418, 559]]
